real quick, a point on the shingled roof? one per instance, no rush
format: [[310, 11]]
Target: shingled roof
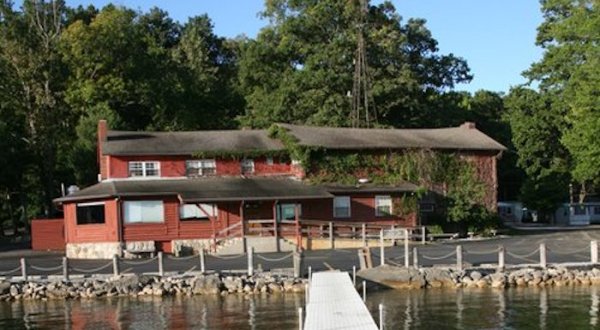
[[464, 137], [187, 143], [203, 189]]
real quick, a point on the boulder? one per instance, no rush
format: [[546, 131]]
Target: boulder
[[476, 276], [4, 288], [394, 277], [209, 284], [437, 277]]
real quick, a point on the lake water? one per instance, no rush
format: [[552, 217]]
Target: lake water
[[562, 308]]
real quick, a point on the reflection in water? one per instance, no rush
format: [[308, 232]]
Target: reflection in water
[[518, 308]]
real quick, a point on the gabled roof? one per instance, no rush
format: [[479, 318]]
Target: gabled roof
[[203, 189], [464, 137], [187, 143]]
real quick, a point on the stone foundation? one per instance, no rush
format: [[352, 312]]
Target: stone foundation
[[189, 246], [98, 250]]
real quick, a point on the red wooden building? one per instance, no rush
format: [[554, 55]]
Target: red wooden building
[[172, 191]]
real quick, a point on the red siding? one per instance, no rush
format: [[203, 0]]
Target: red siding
[[47, 234], [174, 166], [106, 232]]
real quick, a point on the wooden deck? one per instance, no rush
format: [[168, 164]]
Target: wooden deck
[[335, 304]]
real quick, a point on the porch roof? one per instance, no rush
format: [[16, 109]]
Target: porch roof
[[203, 189]]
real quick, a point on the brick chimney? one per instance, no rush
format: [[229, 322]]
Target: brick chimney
[[102, 160], [468, 125]]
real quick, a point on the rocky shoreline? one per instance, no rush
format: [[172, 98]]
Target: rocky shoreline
[[410, 278], [149, 285]]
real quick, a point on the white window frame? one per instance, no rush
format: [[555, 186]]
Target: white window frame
[[378, 200], [78, 205], [279, 211], [144, 167], [201, 167], [247, 163], [335, 206], [131, 208], [202, 211]]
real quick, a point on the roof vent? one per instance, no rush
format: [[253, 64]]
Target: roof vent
[[468, 124]]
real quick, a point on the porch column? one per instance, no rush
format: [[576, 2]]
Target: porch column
[[212, 225], [298, 228], [275, 229], [242, 226]]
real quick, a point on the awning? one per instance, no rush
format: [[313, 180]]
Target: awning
[[203, 189]]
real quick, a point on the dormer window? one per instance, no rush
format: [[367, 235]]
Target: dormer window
[[247, 165], [201, 167], [144, 169]]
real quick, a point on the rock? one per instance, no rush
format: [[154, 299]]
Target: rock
[[209, 284], [436, 277], [476, 276], [14, 290], [274, 287], [394, 277]]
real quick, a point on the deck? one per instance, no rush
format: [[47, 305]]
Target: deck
[[335, 304]]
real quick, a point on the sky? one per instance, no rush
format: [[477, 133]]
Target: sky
[[497, 38]]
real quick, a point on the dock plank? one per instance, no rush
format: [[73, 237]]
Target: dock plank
[[335, 304]]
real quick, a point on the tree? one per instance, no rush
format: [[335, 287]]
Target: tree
[[300, 67]]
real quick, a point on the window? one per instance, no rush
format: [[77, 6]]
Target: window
[[341, 207], [247, 165], [383, 206], [144, 169], [287, 212], [201, 167], [90, 213], [143, 211], [596, 210], [579, 210], [197, 211]]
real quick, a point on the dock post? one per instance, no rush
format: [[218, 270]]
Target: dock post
[[24, 269], [423, 235], [380, 316], [300, 319], [364, 235], [161, 270], [202, 261], [309, 273], [594, 251], [459, 258], [364, 291], [297, 259], [115, 261], [250, 261], [354, 275], [501, 261], [65, 264], [331, 235], [543, 255], [406, 252], [306, 294], [381, 248], [415, 258]]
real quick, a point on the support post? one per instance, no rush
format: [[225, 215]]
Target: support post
[[331, 235], [501, 255], [309, 273], [543, 255], [243, 227], [65, 265], [250, 261], [202, 261], [354, 275], [161, 270], [381, 248], [406, 252], [115, 261], [393, 235], [459, 258], [364, 291], [415, 258], [380, 316], [364, 234], [300, 319], [275, 227], [298, 227], [423, 235], [24, 269], [594, 252], [306, 294], [297, 258]]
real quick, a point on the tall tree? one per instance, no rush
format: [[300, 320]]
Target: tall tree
[[300, 68]]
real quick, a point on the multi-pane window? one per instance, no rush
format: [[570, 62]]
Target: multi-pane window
[[143, 169], [143, 211], [383, 205], [287, 211], [197, 211], [90, 213], [247, 165], [201, 167], [579, 210], [341, 207]]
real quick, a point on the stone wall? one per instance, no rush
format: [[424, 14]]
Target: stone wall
[[189, 246], [99, 250]]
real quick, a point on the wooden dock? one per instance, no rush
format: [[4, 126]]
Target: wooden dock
[[334, 304]]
